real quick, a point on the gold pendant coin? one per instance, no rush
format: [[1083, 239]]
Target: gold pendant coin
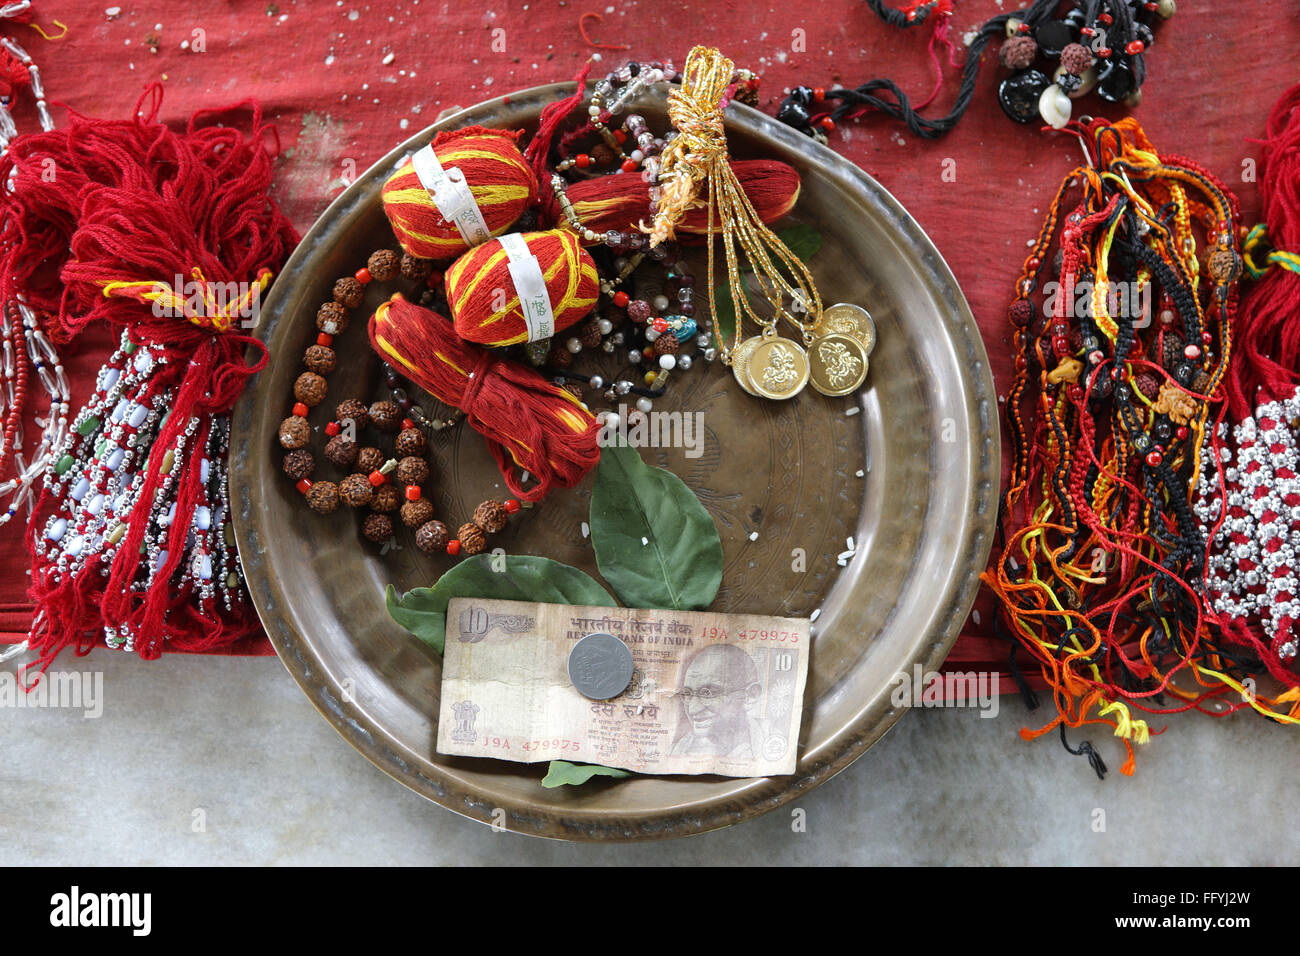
[[837, 364], [849, 319], [740, 362], [778, 368]]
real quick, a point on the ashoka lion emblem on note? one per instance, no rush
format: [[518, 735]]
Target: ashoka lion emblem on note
[[465, 712]]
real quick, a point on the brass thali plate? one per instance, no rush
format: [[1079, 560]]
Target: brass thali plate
[[805, 474]]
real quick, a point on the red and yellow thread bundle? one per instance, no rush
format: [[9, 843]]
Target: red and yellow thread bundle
[[528, 421], [622, 202], [483, 300], [501, 182]]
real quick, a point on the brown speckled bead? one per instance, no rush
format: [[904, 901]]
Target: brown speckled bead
[[1021, 313], [386, 416], [310, 388], [411, 441], [341, 453], [667, 344], [412, 471], [417, 512], [370, 458], [377, 527], [416, 268], [383, 265], [294, 432], [320, 359], [356, 490], [350, 408], [323, 497], [491, 516], [331, 318], [1223, 266], [299, 463], [432, 537], [387, 498], [348, 292], [471, 538], [589, 335]]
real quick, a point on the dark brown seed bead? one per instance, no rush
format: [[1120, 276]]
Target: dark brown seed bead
[[299, 463], [491, 516], [638, 310], [416, 268], [386, 416], [573, 388], [589, 335], [432, 537], [323, 497], [667, 344], [341, 453], [352, 409], [560, 357], [602, 154], [1021, 312], [383, 265], [331, 318], [417, 512], [377, 527], [412, 471], [356, 490], [348, 292], [387, 498], [309, 388], [411, 441], [471, 538], [320, 359], [294, 432], [369, 459]]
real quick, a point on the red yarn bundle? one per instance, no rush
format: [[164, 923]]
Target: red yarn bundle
[[133, 205], [622, 202], [485, 304], [502, 184], [528, 421]]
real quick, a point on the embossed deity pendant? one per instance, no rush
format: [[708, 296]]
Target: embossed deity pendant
[[850, 319], [740, 362], [778, 368], [837, 364]]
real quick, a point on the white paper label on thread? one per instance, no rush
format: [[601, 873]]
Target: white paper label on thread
[[451, 194], [530, 284]]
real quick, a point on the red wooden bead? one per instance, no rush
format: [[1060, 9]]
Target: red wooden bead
[[819, 94], [827, 123], [300, 409], [1182, 432], [333, 428], [325, 339], [1192, 352], [407, 423], [511, 505], [1207, 338], [453, 547], [377, 478], [1024, 28], [660, 325], [1105, 18], [629, 166], [620, 137], [1135, 47], [363, 276], [621, 299], [1033, 262], [1154, 457], [303, 485], [1105, 52], [412, 492], [582, 161]]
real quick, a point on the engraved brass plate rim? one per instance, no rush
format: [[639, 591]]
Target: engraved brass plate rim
[[928, 341]]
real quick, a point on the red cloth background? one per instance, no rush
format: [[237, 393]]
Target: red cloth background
[[318, 68]]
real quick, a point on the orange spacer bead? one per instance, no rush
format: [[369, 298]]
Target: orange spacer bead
[[363, 275], [325, 339], [629, 166], [332, 429], [377, 478], [511, 505], [453, 547], [300, 409], [412, 492], [303, 485]]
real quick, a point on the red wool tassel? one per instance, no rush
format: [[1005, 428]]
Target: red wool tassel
[[528, 421], [135, 207]]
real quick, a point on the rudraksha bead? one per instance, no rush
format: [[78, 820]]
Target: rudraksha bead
[[310, 388], [412, 470], [417, 512], [432, 537], [377, 527], [491, 516], [387, 498], [386, 416], [471, 538], [299, 463], [410, 441], [413, 267], [348, 292], [370, 459], [320, 359], [350, 408], [341, 453], [356, 490], [323, 497], [383, 265], [294, 432], [331, 318]]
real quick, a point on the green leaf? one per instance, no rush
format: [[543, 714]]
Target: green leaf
[[803, 241], [561, 773], [655, 544], [511, 577], [724, 312]]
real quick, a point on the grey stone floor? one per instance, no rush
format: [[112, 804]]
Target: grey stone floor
[[236, 738]]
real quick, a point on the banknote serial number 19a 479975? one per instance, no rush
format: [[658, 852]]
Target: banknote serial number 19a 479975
[[772, 635], [544, 745]]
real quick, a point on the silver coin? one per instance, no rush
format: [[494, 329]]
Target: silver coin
[[600, 666]]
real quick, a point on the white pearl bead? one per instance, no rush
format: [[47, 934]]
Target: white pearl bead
[[667, 362], [684, 362], [596, 381], [651, 335], [660, 303], [634, 356], [643, 404], [605, 326], [573, 345]]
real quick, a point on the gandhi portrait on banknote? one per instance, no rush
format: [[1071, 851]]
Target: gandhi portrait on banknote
[[720, 687]]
